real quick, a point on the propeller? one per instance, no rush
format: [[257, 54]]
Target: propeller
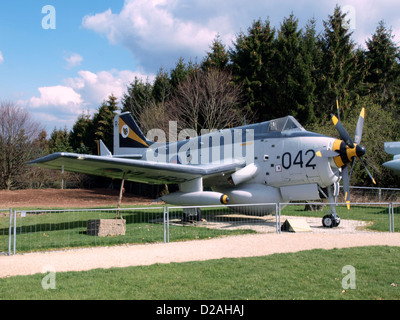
[[346, 151]]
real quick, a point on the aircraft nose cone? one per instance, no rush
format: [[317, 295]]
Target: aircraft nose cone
[[360, 151]]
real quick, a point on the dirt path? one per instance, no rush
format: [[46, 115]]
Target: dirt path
[[67, 198], [228, 247]]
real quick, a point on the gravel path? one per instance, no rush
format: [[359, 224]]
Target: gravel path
[[227, 247]]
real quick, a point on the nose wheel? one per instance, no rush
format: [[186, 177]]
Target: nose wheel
[[330, 221]]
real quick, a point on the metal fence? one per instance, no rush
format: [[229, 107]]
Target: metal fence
[[372, 194], [42, 230], [6, 221]]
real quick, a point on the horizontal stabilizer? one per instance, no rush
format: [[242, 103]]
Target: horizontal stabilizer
[[102, 149]]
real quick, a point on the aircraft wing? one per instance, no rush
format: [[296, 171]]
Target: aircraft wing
[[135, 170]]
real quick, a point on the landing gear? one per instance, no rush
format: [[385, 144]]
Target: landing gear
[[330, 221]]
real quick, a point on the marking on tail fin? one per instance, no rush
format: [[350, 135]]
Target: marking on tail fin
[[127, 132]]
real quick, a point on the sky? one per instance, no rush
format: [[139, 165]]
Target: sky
[[59, 58]]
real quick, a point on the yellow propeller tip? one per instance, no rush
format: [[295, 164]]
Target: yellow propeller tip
[[362, 114], [335, 120], [319, 154]]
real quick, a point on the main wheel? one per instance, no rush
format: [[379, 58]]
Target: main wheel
[[327, 221], [330, 221]]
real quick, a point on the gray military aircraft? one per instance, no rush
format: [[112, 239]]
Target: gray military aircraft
[[276, 161], [393, 148]]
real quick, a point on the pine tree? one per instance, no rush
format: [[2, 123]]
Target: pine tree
[[59, 141], [252, 58], [103, 122], [82, 135], [382, 58], [217, 58], [339, 66], [293, 73]]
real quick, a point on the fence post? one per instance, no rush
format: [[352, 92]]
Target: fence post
[[392, 223], [10, 232], [15, 231], [166, 222], [279, 218]]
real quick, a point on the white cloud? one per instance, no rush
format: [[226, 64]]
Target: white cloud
[[62, 104], [1, 58], [97, 87], [64, 98], [73, 60], [152, 29]]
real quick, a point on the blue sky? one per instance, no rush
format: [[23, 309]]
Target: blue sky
[[98, 47]]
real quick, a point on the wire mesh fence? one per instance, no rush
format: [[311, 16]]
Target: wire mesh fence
[[372, 194], [42, 230], [211, 221], [55, 229], [5, 231]]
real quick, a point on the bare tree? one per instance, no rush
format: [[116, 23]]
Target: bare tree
[[206, 100], [17, 133]]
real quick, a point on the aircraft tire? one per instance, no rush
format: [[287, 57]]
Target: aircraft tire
[[329, 221]]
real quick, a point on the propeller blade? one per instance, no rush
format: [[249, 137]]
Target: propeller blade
[[327, 153], [346, 185], [344, 135], [369, 173], [359, 128], [337, 107], [352, 166]]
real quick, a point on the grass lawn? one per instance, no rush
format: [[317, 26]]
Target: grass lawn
[[40, 230], [307, 275], [43, 230]]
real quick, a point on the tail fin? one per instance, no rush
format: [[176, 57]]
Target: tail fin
[[128, 136]]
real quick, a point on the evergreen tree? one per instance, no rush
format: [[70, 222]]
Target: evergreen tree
[[103, 122], [59, 141], [217, 58], [339, 66], [82, 135], [293, 73], [252, 59], [382, 58], [181, 71], [138, 98], [162, 87]]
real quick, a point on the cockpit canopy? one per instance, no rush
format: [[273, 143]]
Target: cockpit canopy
[[285, 124]]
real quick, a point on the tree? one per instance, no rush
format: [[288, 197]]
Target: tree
[[292, 69], [382, 58], [138, 98], [217, 58], [59, 141], [339, 66], [252, 59], [17, 133], [103, 120], [81, 135], [206, 100]]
